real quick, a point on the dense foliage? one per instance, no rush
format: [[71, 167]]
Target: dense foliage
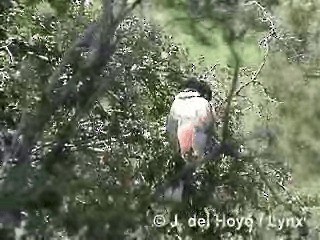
[[93, 116]]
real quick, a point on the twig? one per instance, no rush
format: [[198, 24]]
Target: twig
[[8, 52], [265, 42], [255, 76], [272, 190]]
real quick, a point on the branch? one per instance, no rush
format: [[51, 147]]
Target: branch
[[274, 193], [56, 95], [264, 42], [225, 129], [255, 76], [6, 48]]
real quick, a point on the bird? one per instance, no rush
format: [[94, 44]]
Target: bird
[[190, 127]]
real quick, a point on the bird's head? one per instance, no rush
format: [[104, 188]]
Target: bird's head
[[200, 86]]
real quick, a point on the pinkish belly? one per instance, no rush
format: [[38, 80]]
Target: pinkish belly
[[191, 140], [185, 137]]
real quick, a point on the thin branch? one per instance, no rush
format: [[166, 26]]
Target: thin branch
[[255, 75], [264, 42], [225, 129], [6, 48], [272, 190]]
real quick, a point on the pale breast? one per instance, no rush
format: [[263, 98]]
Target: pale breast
[[193, 110]]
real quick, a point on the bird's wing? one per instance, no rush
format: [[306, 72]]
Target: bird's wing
[[204, 117], [202, 122], [172, 124]]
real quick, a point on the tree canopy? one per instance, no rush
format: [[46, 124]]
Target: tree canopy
[[85, 88]]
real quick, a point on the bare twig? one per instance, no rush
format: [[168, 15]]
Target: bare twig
[[255, 75], [273, 191], [6, 48], [265, 42]]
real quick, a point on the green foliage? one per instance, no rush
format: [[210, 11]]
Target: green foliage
[[285, 98], [67, 191]]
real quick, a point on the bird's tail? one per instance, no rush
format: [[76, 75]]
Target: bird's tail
[[174, 192], [179, 188]]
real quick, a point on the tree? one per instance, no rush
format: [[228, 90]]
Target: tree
[[105, 96]]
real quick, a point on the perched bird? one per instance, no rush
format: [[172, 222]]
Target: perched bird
[[191, 121], [191, 125]]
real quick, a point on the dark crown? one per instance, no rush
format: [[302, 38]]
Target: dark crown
[[200, 86]]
